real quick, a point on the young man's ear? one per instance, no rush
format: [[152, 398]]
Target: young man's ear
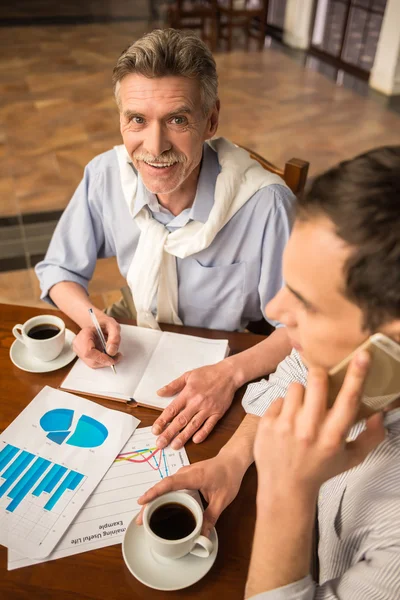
[[392, 330]]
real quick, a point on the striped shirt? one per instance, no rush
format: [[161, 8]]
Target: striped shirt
[[358, 512]]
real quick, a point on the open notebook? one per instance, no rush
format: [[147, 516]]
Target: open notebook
[[151, 359]]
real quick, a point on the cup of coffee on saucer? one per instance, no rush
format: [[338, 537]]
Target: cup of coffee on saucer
[[168, 551], [42, 344]]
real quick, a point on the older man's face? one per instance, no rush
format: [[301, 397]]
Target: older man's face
[[163, 128]]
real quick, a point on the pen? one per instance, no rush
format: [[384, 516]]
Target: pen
[[100, 334]]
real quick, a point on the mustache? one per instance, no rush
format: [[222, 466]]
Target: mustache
[[166, 157]]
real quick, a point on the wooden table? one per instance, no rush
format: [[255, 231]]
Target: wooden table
[[102, 574]]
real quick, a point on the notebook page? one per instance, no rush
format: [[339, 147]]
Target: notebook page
[[137, 346], [175, 354]]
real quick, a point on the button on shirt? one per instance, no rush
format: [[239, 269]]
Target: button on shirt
[[225, 286], [358, 512]]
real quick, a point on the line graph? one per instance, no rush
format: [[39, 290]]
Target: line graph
[[145, 455]]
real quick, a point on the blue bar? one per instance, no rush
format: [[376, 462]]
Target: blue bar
[[76, 481], [15, 469], [7, 454], [52, 475], [59, 475], [64, 485], [20, 490]]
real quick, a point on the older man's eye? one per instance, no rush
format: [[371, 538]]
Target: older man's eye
[[179, 121], [137, 120]]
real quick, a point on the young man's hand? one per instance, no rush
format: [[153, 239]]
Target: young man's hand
[[218, 479], [88, 347], [301, 443]]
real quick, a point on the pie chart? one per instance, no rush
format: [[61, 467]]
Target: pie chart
[[87, 433]]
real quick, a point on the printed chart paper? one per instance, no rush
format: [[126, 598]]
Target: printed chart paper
[[109, 510], [51, 459]]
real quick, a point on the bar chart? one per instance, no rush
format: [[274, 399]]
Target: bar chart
[[52, 456], [22, 475], [109, 510]]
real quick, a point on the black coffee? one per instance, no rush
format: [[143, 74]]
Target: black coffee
[[44, 331], [172, 521]]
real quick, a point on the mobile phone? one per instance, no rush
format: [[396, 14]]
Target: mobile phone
[[382, 384]]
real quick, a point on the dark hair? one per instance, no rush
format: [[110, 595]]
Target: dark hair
[[362, 199]]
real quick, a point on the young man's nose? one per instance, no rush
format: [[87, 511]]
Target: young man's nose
[[279, 308]]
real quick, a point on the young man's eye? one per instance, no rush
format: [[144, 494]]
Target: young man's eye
[[308, 308]]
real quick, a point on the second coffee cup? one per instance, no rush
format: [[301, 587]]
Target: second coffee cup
[[172, 524]]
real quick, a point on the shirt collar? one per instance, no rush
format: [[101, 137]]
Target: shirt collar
[[204, 199]]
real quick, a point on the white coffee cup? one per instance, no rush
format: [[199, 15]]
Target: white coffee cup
[[43, 349], [194, 543]]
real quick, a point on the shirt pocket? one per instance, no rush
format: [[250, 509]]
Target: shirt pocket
[[215, 287]]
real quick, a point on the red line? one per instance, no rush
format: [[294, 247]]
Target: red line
[[145, 459]]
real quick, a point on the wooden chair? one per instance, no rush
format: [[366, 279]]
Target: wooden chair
[[195, 14], [294, 174], [244, 14]]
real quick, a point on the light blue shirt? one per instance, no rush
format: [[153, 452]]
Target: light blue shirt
[[225, 286]]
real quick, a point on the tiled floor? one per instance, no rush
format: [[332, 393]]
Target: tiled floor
[[57, 112]]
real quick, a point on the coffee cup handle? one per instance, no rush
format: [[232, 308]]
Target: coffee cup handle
[[17, 332], [203, 547]]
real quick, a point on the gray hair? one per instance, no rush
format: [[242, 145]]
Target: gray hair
[[166, 52]]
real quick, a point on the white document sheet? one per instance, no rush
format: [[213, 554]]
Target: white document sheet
[[175, 354], [52, 457], [151, 359], [109, 510]]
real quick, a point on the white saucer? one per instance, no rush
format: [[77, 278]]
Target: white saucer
[[25, 361], [163, 573]]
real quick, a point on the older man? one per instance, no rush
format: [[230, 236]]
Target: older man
[[341, 269], [198, 228]]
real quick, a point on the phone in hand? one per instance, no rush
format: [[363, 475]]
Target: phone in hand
[[382, 384]]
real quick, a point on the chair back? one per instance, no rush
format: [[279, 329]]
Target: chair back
[[195, 14], [294, 174]]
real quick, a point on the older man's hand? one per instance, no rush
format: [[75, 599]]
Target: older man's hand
[[88, 347], [205, 394]]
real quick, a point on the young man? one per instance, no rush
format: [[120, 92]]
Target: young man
[[197, 227], [341, 269]]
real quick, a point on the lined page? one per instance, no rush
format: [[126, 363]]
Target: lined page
[[175, 354], [137, 346]]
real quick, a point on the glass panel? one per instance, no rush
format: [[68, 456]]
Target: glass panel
[[376, 5], [353, 45], [276, 13], [379, 5], [371, 42], [329, 25], [364, 3]]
